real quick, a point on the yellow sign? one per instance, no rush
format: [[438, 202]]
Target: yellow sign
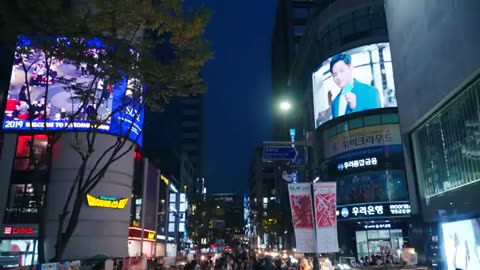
[[151, 235], [106, 202], [165, 179]]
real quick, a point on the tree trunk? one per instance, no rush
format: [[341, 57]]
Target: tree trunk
[[38, 191], [72, 222], [41, 235]]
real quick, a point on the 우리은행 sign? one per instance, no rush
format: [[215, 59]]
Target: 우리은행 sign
[[106, 202]]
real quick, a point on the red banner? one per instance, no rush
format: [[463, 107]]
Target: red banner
[[325, 194], [302, 216]]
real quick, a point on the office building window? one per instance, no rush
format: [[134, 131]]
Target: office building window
[[22, 204], [447, 145], [31, 150]]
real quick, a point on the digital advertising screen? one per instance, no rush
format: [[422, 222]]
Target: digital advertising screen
[[352, 81], [110, 104], [373, 194], [461, 244], [372, 187]]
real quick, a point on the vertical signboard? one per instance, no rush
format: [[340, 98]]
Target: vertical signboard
[[302, 216], [172, 212], [325, 194], [182, 212]]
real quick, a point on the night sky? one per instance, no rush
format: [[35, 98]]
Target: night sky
[[238, 106]]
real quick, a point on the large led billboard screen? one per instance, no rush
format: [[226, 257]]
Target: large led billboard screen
[[352, 81], [115, 111]]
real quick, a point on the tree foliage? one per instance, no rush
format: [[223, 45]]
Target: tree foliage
[[156, 46]]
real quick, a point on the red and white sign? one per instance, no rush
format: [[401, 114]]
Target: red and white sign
[[7, 230], [325, 194], [302, 216], [19, 230]]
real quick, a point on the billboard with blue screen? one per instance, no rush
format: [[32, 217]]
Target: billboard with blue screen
[[29, 107]]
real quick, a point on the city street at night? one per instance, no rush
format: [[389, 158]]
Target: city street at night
[[240, 135]]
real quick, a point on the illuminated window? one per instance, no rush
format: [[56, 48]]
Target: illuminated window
[[31, 150], [22, 206]]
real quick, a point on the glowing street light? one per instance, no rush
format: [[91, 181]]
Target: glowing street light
[[285, 106]]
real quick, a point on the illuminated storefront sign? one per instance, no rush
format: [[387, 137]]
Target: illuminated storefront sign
[[135, 233], [362, 141], [11, 231], [378, 226], [359, 163], [106, 202], [165, 179], [374, 210]]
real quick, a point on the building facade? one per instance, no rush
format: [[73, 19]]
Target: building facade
[[39, 173], [261, 184], [441, 131], [179, 127], [290, 22], [342, 82], [20, 210]]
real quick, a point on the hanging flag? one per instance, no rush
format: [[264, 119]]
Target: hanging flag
[[325, 194], [302, 216]]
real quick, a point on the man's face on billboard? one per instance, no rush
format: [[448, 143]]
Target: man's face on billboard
[[342, 74]]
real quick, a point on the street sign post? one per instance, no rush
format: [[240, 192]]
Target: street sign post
[[272, 153]]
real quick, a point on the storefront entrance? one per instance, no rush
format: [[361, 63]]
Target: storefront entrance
[[18, 245], [379, 241]]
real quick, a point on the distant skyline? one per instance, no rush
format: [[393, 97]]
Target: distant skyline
[[238, 107]]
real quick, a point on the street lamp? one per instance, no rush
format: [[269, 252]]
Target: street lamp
[[285, 106]]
